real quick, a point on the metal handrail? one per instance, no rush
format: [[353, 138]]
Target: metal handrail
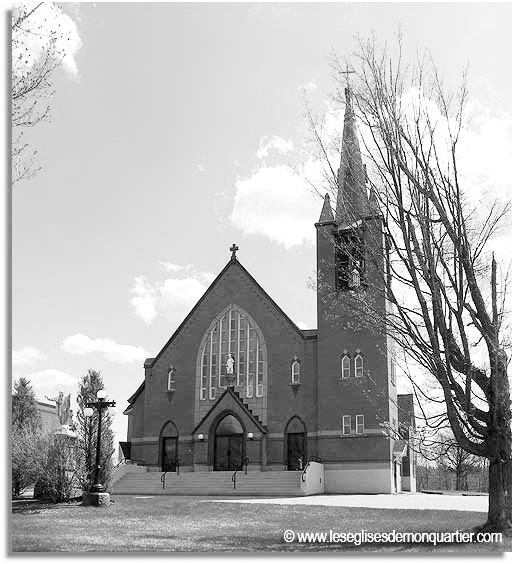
[[163, 480], [234, 477], [122, 461], [246, 461]]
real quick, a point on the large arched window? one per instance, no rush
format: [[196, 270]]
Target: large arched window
[[235, 334]]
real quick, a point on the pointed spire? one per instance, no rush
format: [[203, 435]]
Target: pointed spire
[[326, 210], [352, 201]]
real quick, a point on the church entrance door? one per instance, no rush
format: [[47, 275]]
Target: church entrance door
[[169, 454], [228, 444], [296, 451]]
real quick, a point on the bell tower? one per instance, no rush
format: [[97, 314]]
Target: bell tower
[[356, 391]]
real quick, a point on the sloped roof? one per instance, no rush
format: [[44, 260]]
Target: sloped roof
[[230, 391], [233, 261]]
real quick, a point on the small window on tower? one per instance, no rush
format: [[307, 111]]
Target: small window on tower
[[295, 372], [356, 278], [349, 260], [359, 366], [345, 367], [347, 425], [359, 424]]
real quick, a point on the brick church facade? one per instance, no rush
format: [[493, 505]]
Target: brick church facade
[[239, 384]]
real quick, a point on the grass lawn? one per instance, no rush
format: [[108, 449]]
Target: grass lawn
[[190, 524]]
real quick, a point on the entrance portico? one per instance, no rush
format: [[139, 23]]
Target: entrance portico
[[229, 437]]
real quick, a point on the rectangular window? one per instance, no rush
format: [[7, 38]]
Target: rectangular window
[[347, 425], [359, 424]]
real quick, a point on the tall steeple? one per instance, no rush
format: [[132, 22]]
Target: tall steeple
[[352, 200]]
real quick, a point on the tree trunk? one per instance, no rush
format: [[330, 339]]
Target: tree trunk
[[500, 443], [459, 479], [499, 517]]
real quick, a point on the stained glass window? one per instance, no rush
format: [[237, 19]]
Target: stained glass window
[[233, 333]]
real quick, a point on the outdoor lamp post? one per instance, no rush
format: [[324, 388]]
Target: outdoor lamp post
[[98, 496]]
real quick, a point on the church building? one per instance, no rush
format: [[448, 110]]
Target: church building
[[240, 385]]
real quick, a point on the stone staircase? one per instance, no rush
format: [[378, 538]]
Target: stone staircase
[[278, 483]]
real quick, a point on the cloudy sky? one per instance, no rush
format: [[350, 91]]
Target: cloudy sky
[[173, 134]]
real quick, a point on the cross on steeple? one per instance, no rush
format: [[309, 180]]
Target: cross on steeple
[[234, 248], [347, 90], [347, 72]]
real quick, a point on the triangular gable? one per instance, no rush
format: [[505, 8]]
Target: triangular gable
[[230, 402], [232, 261]]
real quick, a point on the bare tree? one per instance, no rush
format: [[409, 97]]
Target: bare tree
[[445, 302], [458, 461], [31, 80]]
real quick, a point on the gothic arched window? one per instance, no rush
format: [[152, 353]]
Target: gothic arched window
[[171, 379], [295, 372], [359, 366], [233, 333], [345, 366]]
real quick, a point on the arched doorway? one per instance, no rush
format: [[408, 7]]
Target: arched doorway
[[296, 455], [169, 448], [228, 444]]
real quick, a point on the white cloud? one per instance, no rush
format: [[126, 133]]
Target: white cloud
[[308, 87], [124, 354], [50, 381], [26, 356], [282, 146], [171, 298], [46, 24], [277, 203], [171, 267]]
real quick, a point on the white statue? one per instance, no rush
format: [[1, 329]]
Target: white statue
[[230, 364]]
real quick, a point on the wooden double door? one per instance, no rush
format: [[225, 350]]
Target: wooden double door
[[296, 451], [169, 454], [229, 444], [228, 452]]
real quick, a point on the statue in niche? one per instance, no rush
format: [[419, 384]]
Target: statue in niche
[[230, 364]]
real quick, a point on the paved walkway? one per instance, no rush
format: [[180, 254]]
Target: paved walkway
[[382, 501]]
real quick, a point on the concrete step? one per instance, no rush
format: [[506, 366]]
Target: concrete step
[[277, 483]]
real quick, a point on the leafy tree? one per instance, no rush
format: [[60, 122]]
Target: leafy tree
[[58, 479], [445, 299], [25, 413], [28, 452], [26, 439], [87, 430]]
